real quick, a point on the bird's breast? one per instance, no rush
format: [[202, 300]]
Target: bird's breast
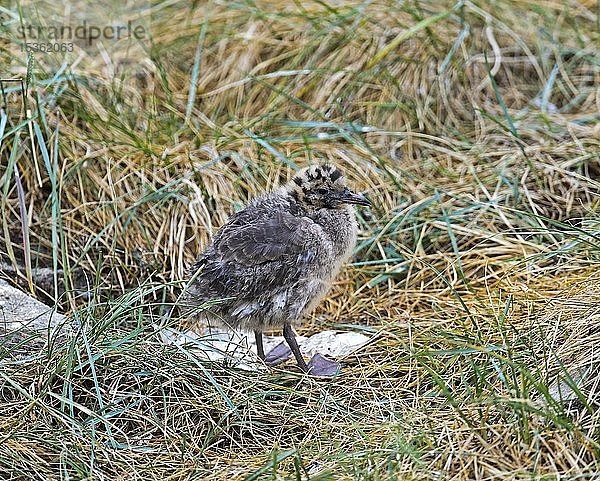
[[341, 228]]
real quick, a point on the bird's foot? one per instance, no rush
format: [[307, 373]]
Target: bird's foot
[[278, 354], [322, 367], [318, 366]]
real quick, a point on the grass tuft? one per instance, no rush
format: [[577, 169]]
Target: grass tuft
[[472, 127]]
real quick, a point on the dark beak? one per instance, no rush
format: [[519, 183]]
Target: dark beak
[[349, 197]]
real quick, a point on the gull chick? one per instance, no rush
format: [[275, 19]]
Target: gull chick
[[273, 261]]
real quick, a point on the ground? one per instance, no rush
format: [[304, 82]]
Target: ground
[[474, 129]]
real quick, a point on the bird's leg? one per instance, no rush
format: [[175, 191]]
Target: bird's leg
[[289, 336], [260, 350], [318, 366]]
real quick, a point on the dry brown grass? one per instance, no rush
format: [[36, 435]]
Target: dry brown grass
[[475, 132]]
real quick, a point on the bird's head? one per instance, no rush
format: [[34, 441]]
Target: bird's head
[[323, 186]]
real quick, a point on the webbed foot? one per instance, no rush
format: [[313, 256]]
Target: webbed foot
[[322, 367], [278, 354]]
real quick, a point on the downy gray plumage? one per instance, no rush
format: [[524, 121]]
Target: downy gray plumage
[[273, 261]]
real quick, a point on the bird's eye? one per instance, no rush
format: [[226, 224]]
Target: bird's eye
[[322, 191]]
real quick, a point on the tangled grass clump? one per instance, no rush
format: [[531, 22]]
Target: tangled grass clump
[[473, 128]]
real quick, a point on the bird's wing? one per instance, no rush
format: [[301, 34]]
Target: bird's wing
[[267, 239], [253, 251]]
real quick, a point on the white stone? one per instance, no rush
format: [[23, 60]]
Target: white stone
[[239, 348], [19, 310]]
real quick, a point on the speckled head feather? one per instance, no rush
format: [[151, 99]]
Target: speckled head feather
[[322, 186]]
